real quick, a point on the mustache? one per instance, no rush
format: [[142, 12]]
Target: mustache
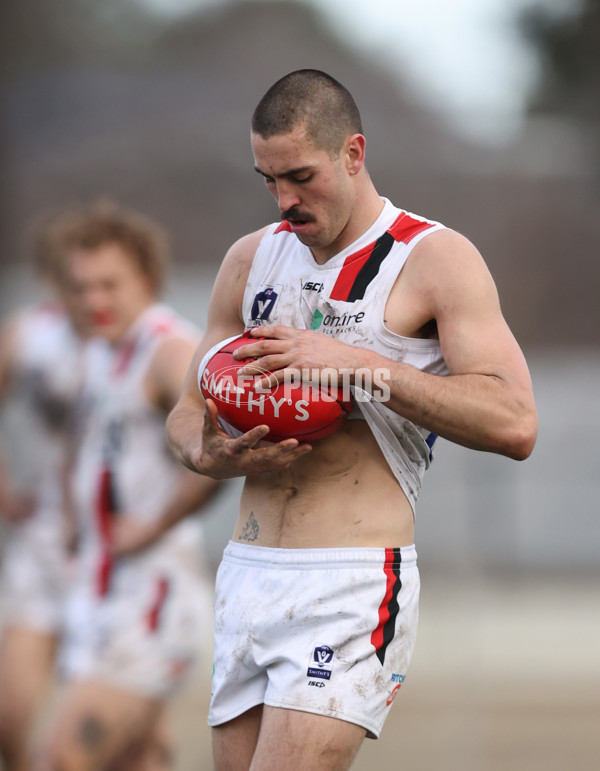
[[296, 214]]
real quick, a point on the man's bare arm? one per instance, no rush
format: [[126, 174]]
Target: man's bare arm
[[192, 426], [14, 506]]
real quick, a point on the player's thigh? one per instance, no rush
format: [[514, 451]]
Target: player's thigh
[[26, 665], [234, 742], [154, 752], [94, 725], [290, 739]]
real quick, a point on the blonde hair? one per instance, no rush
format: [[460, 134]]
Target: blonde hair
[[102, 223]]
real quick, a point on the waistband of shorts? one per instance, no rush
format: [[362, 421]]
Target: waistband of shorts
[[346, 557]]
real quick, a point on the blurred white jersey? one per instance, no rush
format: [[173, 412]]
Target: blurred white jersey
[[47, 378], [136, 621], [124, 463], [346, 298]]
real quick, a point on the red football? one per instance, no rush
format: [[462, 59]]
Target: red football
[[290, 409]]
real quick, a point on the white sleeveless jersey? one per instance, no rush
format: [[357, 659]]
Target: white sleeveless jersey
[[38, 419], [48, 372], [346, 298], [124, 463]]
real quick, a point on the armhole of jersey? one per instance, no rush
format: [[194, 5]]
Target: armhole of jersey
[[250, 280], [381, 330]]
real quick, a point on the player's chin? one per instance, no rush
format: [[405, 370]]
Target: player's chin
[[111, 333], [307, 231]]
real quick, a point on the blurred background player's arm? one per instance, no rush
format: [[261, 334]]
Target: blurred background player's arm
[[164, 383], [14, 506]]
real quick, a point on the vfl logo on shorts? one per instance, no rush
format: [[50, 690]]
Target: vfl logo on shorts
[[264, 302], [321, 662]]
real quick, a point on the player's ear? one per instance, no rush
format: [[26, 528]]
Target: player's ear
[[353, 152]]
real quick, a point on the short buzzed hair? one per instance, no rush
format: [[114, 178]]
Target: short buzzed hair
[[313, 99]]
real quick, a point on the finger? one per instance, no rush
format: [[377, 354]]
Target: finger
[[266, 365], [211, 415], [280, 331], [265, 381], [278, 456], [258, 349], [269, 376], [250, 439]]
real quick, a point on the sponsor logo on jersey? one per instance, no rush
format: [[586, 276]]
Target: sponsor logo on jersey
[[264, 302], [333, 324], [312, 286], [321, 662], [343, 320], [317, 683]]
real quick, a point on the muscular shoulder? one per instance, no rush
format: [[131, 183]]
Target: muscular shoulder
[[168, 368], [444, 279], [228, 291], [238, 260], [445, 268]]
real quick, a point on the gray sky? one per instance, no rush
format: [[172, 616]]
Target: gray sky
[[462, 58]]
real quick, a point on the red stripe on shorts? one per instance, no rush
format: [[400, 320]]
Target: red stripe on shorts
[[383, 634], [154, 612]]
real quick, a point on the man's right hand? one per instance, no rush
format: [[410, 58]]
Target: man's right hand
[[222, 457]]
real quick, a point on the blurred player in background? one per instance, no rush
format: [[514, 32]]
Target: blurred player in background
[[41, 367], [316, 602], [140, 608]]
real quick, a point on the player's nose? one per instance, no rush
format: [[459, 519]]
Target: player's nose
[[287, 198]]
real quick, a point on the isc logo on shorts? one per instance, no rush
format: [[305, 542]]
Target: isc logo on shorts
[[321, 662]]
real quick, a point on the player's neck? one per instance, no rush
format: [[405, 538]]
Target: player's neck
[[365, 213]]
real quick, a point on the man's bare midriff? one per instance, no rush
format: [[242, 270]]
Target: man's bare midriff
[[341, 494]]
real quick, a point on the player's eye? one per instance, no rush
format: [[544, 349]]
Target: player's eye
[[303, 179]]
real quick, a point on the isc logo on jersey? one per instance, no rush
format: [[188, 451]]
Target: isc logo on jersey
[[312, 286]]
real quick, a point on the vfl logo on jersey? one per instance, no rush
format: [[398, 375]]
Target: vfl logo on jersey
[[321, 663], [264, 302]]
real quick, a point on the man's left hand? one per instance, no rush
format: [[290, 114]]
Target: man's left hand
[[286, 348]]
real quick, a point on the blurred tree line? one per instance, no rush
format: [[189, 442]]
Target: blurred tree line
[[41, 35], [569, 53], [104, 98]]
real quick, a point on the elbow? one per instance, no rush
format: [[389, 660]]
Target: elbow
[[520, 440]]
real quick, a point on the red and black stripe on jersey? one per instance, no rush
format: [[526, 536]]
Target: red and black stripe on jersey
[[106, 508], [360, 268]]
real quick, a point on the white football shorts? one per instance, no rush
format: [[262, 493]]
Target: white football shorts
[[145, 639], [327, 631], [34, 579]]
